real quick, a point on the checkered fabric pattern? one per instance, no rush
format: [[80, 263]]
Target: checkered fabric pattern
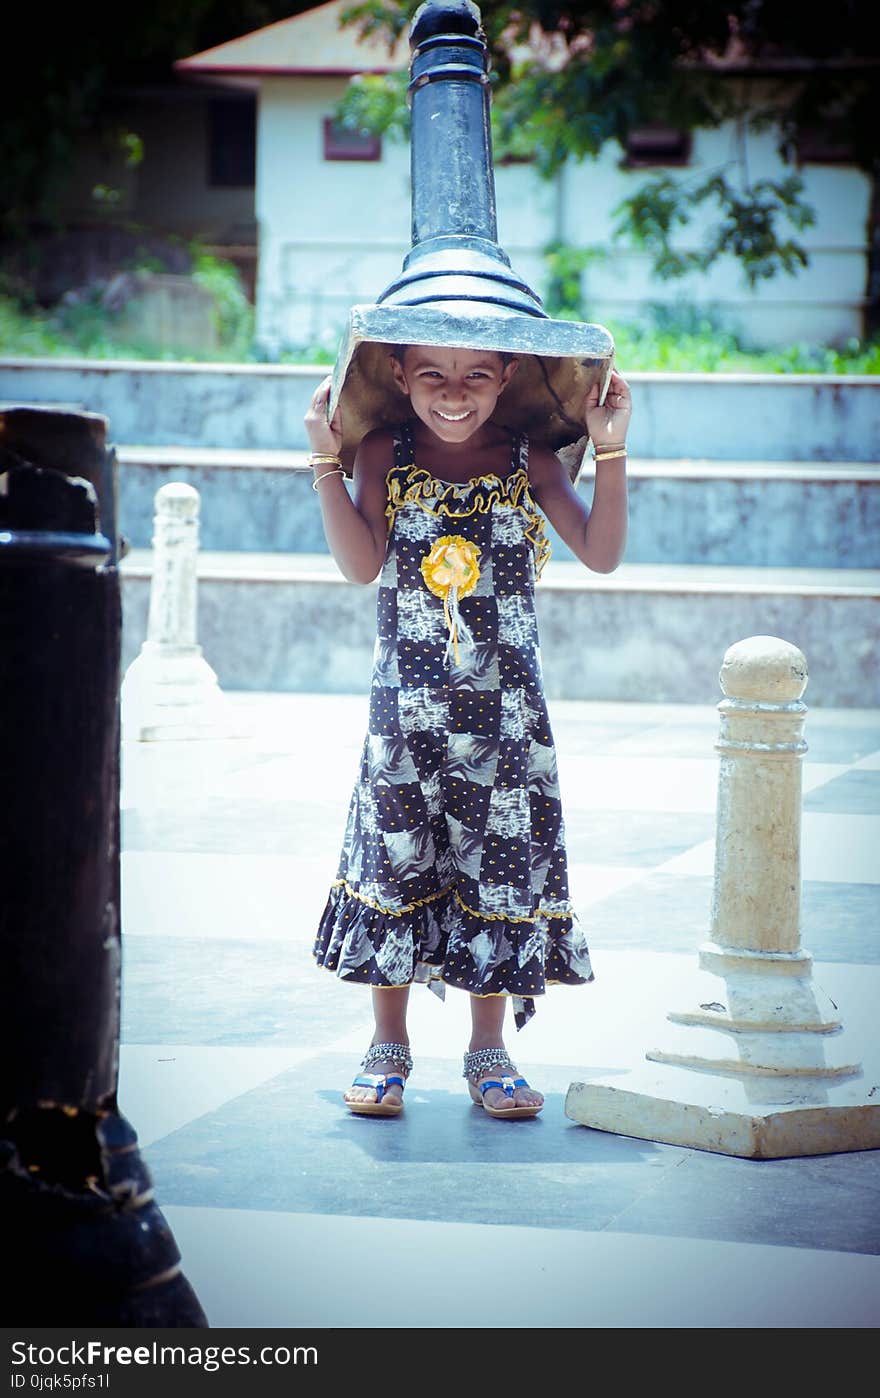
[[453, 868]]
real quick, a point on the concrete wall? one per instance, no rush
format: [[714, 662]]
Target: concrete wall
[[724, 417], [601, 639], [169, 189], [719, 515], [823, 302], [332, 233], [335, 233]]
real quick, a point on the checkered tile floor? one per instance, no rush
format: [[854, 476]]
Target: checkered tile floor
[[235, 1047]]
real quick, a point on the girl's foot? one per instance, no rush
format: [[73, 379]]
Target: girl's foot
[[513, 1098], [391, 1060]]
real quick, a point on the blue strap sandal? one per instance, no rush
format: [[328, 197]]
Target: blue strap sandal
[[482, 1061], [400, 1057]]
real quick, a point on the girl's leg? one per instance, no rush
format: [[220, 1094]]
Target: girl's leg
[[389, 1012], [487, 1019]]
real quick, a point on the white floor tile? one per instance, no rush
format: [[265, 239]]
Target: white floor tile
[[252, 1269], [250, 896], [834, 849], [638, 783], [163, 1086], [655, 783], [589, 883], [841, 848]]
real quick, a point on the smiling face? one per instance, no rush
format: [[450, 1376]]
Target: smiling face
[[452, 391]]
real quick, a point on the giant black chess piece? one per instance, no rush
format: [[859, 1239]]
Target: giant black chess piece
[[457, 286], [84, 1242]]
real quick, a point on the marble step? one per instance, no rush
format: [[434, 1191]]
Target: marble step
[[784, 417], [646, 633], [760, 513]]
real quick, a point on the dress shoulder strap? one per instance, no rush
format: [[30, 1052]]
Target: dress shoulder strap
[[521, 452], [403, 445]]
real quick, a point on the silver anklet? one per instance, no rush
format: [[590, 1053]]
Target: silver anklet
[[399, 1055], [480, 1061]]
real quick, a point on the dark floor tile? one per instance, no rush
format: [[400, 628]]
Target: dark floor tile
[[661, 912], [289, 1145], [192, 991], [852, 793], [841, 921], [665, 912], [828, 1201], [830, 742], [637, 838]]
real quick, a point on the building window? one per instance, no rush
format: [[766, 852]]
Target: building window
[[648, 146], [342, 143], [828, 144], [232, 142]]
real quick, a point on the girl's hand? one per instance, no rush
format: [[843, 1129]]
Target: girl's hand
[[324, 436], [609, 422]]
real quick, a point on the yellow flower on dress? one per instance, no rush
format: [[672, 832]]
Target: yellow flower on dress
[[451, 571], [452, 562]]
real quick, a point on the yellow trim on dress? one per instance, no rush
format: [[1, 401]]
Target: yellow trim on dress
[[379, 908], [432, 897], [507, 917], [438, 497]]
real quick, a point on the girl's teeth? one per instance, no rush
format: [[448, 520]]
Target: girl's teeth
[[453, 417]]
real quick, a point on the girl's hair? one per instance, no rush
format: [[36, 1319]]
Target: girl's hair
[[400, 350]]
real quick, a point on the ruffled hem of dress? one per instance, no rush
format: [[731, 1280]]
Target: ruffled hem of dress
[[375, 946]]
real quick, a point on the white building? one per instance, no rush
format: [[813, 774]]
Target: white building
[[333, 211]]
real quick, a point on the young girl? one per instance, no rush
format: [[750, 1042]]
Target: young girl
[[453, 868]]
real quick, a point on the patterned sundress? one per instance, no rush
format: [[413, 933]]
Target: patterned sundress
[[453, 868]]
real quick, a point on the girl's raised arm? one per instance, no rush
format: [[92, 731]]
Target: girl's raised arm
[[355, 526], [597, 536]]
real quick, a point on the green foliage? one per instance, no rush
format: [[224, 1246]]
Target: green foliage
[[680, 338], [64, 72], [385, 18], [571, 75], [233, 311], [747, 228], [308, 354], [376, 102], [563, 295], [676, 340], [83, 326]]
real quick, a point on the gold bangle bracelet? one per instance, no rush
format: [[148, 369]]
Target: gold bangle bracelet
[[338, 471], [319, 458], [609, 455]]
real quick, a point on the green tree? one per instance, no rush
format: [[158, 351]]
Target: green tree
[[65, 70], [569, 77]]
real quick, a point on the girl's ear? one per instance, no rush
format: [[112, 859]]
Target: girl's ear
[[398, 374], [507, 373]]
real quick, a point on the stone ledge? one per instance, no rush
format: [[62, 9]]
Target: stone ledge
[[756, 514], [293, 623], [557, 576], [675, 468], [716, 416]]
